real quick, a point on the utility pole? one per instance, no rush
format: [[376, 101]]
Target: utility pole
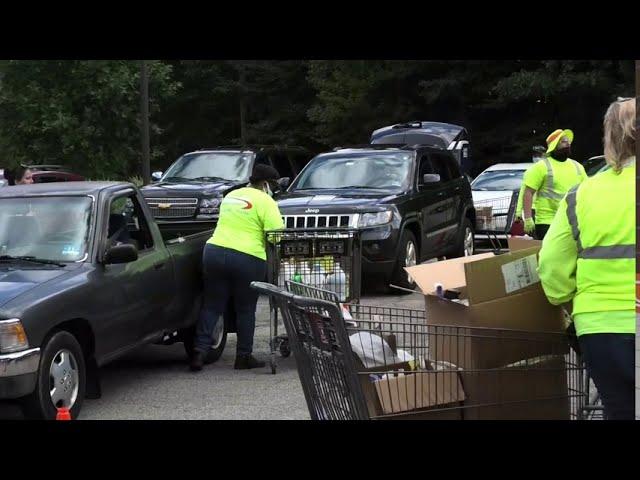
[[144, 122]]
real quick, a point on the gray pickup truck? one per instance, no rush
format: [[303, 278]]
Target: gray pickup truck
[[85, 277]]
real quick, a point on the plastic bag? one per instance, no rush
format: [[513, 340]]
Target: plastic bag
[[372, 350]]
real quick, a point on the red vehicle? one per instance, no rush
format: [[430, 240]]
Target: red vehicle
[[53, 173]]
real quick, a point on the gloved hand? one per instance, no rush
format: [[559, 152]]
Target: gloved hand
[[529, 225]]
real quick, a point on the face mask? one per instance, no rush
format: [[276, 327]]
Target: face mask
[[561, 154]]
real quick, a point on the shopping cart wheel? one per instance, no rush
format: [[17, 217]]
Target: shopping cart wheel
[[285, 350], [274, 365]]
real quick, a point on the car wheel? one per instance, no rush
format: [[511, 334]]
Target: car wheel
[[465, 246], [408, 257], [215, 352], [61, 379]]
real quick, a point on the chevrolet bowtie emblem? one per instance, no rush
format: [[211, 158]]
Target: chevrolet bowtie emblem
[[164, 206]]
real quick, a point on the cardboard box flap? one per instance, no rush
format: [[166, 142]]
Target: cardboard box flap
[[450, 273], [522, 243], [502, 275]]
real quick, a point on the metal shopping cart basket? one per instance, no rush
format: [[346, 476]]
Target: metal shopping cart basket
[[494, 219], [396, 366], [327, 259]]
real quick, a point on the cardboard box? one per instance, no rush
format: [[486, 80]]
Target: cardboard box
[[508, 316], [380, 393], [537, 391], [522, 243], [419, 390]]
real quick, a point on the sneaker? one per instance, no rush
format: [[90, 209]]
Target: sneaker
[[197, 360], [244, 362]]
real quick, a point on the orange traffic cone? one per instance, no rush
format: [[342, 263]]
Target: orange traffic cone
[[63, 414]]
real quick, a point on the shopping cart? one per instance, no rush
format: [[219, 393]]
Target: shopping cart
[[494, 219], [396, 366], [327, 259]]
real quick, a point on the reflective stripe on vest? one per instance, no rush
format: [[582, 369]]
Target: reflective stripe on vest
[[549, 192], [593, 253]]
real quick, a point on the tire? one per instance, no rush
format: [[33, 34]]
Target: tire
[[465, 243], [62, 363], [405, 259], [216, 350]]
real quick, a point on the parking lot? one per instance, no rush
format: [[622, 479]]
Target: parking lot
[[154, 383]]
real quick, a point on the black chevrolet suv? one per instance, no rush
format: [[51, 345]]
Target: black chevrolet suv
[[412, 203], [186, 198]]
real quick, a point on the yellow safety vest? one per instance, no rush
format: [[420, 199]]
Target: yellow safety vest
[[552, 180], [588, 255]]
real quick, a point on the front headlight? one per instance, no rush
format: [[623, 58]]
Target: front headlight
[[209, 205], [374, 219], [12, 336]]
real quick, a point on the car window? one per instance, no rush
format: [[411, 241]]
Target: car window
[[53, 228], [299, 161], [424, 169], [233, 166], [281, 163], [127, 224], [499, 180], [440, 165], [366, 170]]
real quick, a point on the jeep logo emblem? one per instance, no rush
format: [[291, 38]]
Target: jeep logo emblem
[[312, 210]]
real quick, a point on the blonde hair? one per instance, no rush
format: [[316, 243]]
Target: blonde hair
[[620, 133]]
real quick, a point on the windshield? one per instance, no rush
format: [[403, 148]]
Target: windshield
[[51, 228], [232, 166], [499, 180], [381, 171]]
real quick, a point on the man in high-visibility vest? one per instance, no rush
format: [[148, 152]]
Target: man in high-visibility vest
[[588, 259], [549, 179]]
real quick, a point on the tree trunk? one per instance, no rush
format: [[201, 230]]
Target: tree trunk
[[243, 106], [144, 122]]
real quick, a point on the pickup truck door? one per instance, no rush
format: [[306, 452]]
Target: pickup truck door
[[144, 286]]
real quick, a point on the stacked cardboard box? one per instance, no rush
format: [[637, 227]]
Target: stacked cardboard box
[[503, 319]]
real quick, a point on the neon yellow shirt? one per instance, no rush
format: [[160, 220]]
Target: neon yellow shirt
[[245, 215], [588, 254], [551, 188]]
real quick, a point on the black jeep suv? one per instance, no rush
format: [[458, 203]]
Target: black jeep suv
[[411, 202], [186, 198]]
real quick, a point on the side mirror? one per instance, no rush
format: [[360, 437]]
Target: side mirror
[[284, 182], [430, 178], [156, 176], [125, 253]]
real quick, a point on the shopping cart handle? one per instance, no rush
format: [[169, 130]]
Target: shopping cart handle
[[269, 289]]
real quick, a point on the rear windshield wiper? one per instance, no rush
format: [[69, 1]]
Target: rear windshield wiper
[[30, 258]]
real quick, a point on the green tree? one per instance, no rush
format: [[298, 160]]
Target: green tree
[[84, 114]]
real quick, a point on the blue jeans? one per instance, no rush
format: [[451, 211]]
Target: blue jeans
[[611, 364], [227, 277]]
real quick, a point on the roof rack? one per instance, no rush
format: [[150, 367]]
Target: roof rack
[[383, 146], [371, 146]]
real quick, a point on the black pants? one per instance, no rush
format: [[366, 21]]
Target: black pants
[[227, 276], [541, 231], [611, 364]]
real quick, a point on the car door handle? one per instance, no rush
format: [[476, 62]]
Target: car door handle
[[440, 209], [158, 266]]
